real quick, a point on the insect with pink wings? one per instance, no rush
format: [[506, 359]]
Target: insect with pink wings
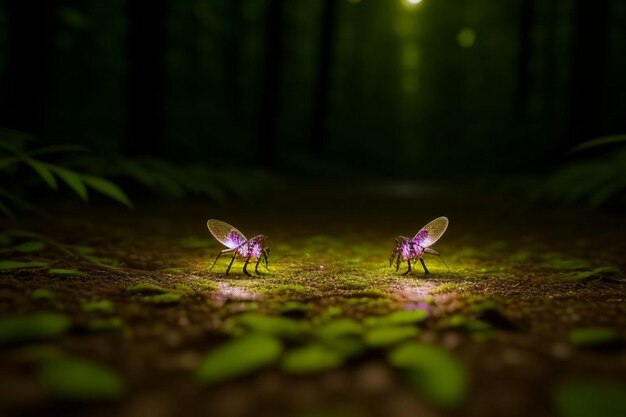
[[238, 244], [410, 250]]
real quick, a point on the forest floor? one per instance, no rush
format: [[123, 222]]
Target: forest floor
[[110, 312]]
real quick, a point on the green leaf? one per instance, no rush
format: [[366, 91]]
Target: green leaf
[[593, 336], [398, 318], [73, 180], [65, 272], [604, 140], [310, 359], [275, 326], [5, 265], [167, 298], [42, 294], [80, 379], [597, 273], [587, 398], [238, 357], [388, 336], [99, 306], [30, 246], [40, 326], [339, 328], [43, 171], [433, 372], [107, 188]]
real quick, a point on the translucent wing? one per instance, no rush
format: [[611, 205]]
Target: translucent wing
[[431, 233], [225, 233]]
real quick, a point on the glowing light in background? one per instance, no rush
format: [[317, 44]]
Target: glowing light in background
[[411, 3], [466, 37]]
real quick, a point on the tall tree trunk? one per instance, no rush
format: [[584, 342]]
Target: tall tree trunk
[[319, 112], [589, 57], [271, 82], [146, 49], [30, 53], [523, 58]]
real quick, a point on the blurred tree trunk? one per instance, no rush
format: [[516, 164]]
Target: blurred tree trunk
[[30, 57], [271, 82], [523, 58], [319, 117], [234, 59], [589, 56], [146, 51]]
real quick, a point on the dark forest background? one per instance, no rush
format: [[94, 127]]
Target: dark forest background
[[386, 87]]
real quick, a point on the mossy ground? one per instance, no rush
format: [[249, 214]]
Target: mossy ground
[[520, 281]]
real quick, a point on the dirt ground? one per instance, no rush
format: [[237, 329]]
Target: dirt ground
[[533, 303]]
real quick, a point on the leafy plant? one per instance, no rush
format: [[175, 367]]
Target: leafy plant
[[17, 152], [592, 181]]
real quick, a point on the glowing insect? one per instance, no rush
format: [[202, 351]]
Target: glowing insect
[[410, 250], [238, 244]]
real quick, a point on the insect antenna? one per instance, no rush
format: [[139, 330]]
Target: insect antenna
[[444, 262]]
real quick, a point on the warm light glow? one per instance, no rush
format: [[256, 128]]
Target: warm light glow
[[410, 4], [414, 1]]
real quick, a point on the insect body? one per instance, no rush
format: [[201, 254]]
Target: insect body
[[410, 250], [238, 244]]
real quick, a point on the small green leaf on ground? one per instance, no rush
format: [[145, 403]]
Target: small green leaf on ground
[[397, 318], [100, 306], [167, 298], [339, 328], [276, 326], [65, 272], [33, 327], [388, 336], [6, 265], [30, 246], [42, 294], [565, 264], [146, 288], [593, 336], [80, 380], [597, 273], [433, 372], [113, 323], [238, 357], [310, 359], [588, 398]]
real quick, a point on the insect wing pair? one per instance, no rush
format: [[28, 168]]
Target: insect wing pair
[[410, 250], [238, 244]]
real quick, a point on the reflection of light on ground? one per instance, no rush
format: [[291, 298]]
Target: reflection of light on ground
[[228, 292], [412, 292]]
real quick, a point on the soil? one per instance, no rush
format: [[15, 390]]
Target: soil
[[330, 249]]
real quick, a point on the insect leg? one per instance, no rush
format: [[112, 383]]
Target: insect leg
[[408, 271], [256, 267], [245, 267], [394, 252], [231, 262], [398, 263], [266, 259], [218, 256], [424, 266], [434, 252]]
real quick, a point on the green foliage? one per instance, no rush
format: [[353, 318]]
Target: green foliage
[[16, 152], [310, 359], [589, 398], [433, 372], [112, 323], [65, 272], [398, 318], [596, 273], [592, 182], [238, 357], [339, 328], [33, 327], [275, 326], [30, 246], [6, 264], [80, 380], [388, 335], [593, 336], [99, 306], [42, 294], [163, 299]]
